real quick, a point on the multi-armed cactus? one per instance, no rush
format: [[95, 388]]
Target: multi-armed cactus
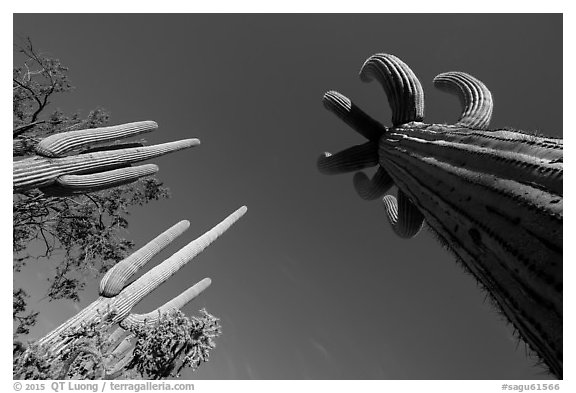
[[494, 197], [55, 171], [117, 297]]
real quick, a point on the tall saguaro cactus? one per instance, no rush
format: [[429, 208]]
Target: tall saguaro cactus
[[494, 197], [69, 163], [117, 299]]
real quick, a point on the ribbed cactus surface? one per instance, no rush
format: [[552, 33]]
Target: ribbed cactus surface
[[117, 299], [77, 162], [56, 171], [495, 197], [58, 144]]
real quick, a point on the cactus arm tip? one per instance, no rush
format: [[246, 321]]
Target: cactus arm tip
[[402, 87], [176, 303], [82, 184], [116, 278], [475, 98]]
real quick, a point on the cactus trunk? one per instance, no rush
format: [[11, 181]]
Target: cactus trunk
[[499, 211], [117, 300], [493, 197]]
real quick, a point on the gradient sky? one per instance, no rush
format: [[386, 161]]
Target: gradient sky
[[311, 283]]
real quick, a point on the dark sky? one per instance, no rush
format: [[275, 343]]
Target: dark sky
[[311, 283]]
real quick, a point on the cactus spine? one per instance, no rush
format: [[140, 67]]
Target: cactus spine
[[493, 196]]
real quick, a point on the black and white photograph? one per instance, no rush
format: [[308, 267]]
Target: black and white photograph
[[288, 197]]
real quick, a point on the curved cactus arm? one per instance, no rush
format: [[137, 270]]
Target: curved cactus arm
[[136, 291], [404, 217], [474, 96], [57, 145], [352, 159], [122, 354], [402, 87], [117, 277], [352, 115], [493, 196], [117, 300], [175, 304], [370, 189], [82, 184]]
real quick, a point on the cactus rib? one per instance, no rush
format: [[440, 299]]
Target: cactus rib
[[56, 172], [474, 96], [494, 197]]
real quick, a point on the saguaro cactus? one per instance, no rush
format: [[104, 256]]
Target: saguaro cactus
[[117, 299], [494, 197], [55, 171], [73, 163]]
